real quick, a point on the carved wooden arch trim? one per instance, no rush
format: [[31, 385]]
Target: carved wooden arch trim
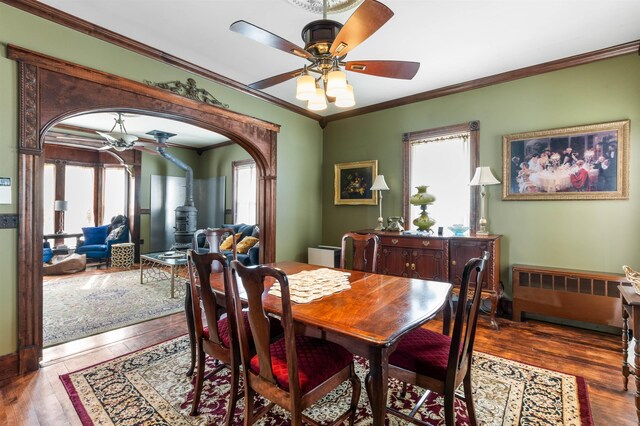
[[51, 89]]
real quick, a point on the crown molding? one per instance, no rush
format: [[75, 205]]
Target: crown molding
[[62, 18], [559, 64], [75, 23]]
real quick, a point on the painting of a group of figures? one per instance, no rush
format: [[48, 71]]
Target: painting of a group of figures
[[584, 162]]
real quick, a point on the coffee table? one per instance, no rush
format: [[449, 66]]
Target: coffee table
[[160, 266]]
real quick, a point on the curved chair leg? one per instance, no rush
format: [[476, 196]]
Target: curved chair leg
[[249, 401], [449, 409], [356, 388], [198, 385], [233, 395], [296, 417], [188, 310], [468, 396]]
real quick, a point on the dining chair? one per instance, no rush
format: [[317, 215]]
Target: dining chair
[[365, 251], [213, 238], [437, 362], [220, 340], [295, 371]]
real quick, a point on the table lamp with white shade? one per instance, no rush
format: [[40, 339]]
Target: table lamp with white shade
[[482, 177], [380, 185]]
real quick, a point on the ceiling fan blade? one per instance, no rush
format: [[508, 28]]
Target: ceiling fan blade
[[276, 79], [391, 69], [366, 20], [265, 37]]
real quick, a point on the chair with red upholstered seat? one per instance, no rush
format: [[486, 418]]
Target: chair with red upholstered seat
[[365, 251], [437, 362], [293, 372], [220, 340]]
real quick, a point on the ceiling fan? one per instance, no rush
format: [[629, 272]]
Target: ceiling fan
[[327, 43], [119, 140]]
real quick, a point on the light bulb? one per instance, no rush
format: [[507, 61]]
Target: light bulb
[[318, 102], [346, 99], [305, 87], [336, 83]]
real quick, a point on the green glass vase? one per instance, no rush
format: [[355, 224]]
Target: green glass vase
[[422, 198]]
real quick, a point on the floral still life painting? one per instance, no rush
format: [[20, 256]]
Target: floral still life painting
[[353, 183]]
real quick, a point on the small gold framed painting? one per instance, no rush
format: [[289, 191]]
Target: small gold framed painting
[[352, 185]]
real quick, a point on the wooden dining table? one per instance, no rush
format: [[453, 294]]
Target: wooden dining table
[[368, 319]]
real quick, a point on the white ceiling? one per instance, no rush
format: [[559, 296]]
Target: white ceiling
[[454, 40], [135, 124]]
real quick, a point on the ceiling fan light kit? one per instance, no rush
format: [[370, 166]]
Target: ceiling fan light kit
[[336, 83], [347, 99], [327, 43], [305, 87], [120, 140], [318, 102]]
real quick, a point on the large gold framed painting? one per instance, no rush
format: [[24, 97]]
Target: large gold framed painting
[[589, 162]]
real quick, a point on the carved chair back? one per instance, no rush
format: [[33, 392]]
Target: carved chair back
[[202, 296], [253, 280], [365, 251], [466, 319]]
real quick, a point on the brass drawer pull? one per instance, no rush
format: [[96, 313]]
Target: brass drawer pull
[[394, 241], [413, 266], [425, 243], [406, 264], [453, 262]]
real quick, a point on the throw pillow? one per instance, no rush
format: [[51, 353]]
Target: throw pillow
[[246, 230], [246, 243], [116, 233], [95, 235], [227, 244]]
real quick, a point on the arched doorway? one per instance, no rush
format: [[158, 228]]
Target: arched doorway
[[51, 90]]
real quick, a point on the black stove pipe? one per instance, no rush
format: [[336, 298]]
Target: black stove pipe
[[187, 214]]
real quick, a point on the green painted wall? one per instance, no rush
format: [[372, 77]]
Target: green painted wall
[[157, 165], [591, 235], [299, 141], [217, 162]]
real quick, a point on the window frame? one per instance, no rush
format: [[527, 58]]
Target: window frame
[[234, 166], [473, 128], [98, 188]]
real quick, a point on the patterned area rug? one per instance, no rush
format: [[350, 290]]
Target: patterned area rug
[[150, 387], [76, 307]]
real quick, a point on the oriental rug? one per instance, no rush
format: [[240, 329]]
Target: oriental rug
[[79, 306], [150, 387]]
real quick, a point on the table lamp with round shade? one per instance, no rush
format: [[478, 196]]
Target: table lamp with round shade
[[380, 185], [483, 177], [61, 207]]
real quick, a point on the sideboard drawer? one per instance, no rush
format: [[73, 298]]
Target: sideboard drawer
[[421, 243]]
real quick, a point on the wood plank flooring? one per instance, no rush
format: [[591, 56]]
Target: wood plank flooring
[[39, 398]]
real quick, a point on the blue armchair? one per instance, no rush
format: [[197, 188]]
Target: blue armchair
[[47, 252], [98, 240]]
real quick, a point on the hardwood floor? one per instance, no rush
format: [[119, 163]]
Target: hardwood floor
[[39, 398]]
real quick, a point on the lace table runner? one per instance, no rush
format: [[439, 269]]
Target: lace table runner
[[307, 286]]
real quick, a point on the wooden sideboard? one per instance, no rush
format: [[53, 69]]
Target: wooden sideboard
[[440, 259]]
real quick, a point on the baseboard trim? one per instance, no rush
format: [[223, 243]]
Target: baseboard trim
[[8, 366]]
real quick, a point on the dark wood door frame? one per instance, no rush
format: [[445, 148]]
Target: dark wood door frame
[[50, 90]]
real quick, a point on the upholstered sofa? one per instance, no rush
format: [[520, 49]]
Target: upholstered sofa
[[251, 257], [97, 240]]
